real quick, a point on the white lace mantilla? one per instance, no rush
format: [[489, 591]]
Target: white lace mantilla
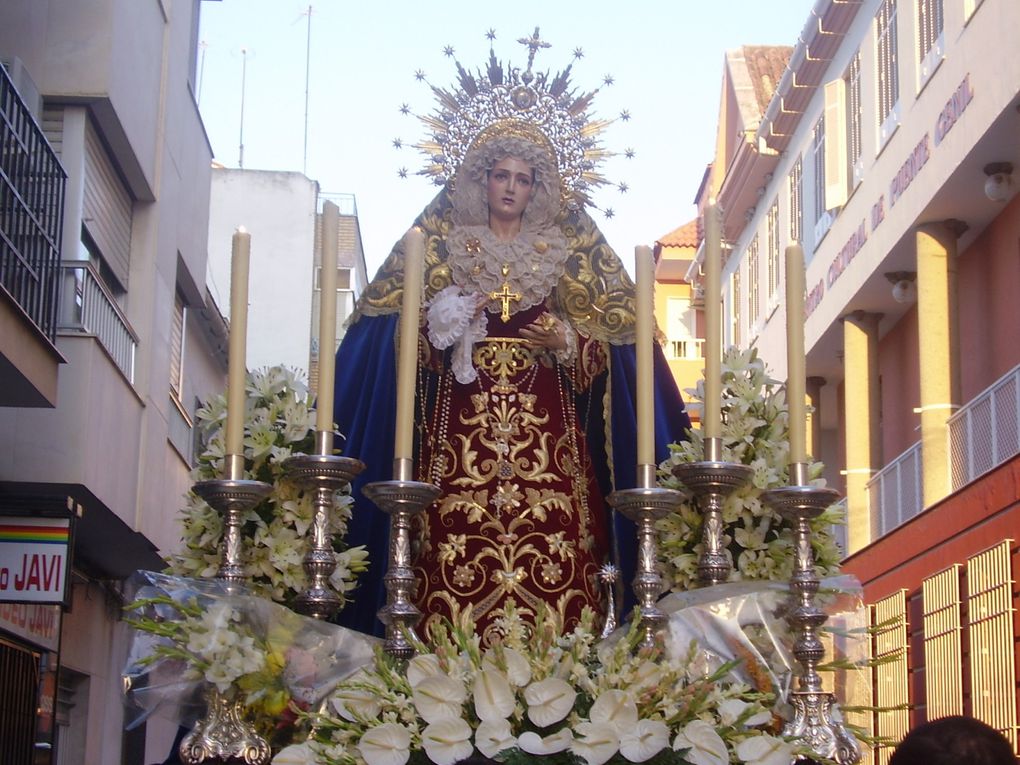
[[535, 260]]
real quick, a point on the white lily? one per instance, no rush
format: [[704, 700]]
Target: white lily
[[644, 740], [296, 754], [439, 697], [532, 743], [493, 737], [518, 668], [447, 741], [764, 750], [354, 704], [730, 711], [614, 708], [705, 746], [422, 666], [549, 701], [386, 744], [494, 699], [597, 743]]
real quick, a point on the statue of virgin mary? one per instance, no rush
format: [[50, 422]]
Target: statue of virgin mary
[[526, 367]]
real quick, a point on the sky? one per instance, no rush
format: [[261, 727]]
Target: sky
[[665, 58]]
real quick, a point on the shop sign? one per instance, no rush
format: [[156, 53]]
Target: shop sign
[[36, 623], [34, 559]]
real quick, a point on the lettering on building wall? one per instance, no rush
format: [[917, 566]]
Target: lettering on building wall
[[905, 175], [953, 110]]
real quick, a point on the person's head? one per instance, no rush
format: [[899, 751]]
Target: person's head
[[481, 185], [508, 189], [954, 740]]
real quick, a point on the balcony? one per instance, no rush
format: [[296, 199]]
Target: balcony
[[983, 434], [31, 214], [90, 309], [688, 349]]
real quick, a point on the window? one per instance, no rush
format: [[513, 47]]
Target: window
[[735, 303], [796, 203], [929, 38], [177, 347], [753, 289], [853, 120], [888, 77], [822, 218], [773, 254], [681, 329]]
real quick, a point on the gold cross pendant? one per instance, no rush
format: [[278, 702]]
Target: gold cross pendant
[[504, 295]]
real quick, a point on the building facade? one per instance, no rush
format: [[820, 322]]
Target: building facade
[[109, 339], [887, 150]]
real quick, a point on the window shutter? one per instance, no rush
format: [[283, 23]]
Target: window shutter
[[106, 207], [835, 144]]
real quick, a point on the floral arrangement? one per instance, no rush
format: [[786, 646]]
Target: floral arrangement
[[279, 422], [568, 698], [755, 432]]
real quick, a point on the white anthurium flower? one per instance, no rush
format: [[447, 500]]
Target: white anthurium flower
[[493, 737], [614, 708], [386, 744], [447, 741], [597, 743], [355, 704], [518, 668], [422, 666], [439, 697], [644, 740], [705, 746], [296, 754], [494, 698], [765, 750], [730, 711], [549, 701], [532, 743]]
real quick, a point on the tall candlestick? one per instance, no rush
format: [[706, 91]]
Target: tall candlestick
[[407, 357], [644, 270], [327, 318], [795, 379], [237, 370], [711, 422]]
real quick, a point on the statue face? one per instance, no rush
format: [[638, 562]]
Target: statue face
[[509, 189]]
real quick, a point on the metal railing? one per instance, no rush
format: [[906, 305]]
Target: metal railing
[[31, 211], [986, 432], [894, 493], [840, 531], [89, 308]]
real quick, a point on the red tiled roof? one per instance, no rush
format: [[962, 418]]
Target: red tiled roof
[[766, 65], [688, 235]]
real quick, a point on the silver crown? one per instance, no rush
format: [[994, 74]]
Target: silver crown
[[504, 100]]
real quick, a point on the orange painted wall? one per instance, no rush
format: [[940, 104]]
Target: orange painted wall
[[900, 382]]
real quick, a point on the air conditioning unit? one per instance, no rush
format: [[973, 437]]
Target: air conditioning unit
[[24, 85]]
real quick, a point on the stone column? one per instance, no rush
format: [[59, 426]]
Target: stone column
[[862, 415], [938, 351]]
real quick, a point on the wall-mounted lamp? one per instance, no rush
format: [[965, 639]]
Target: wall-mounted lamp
[[904, 285], [999, 181]]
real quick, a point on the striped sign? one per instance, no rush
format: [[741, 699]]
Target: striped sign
[[33, 559]]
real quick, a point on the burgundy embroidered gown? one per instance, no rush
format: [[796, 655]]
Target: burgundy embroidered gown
[[520, 519]]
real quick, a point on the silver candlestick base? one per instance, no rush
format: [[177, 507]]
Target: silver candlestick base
[[224, 735], [232, 498], [711, 482], [325, 474], [645, 506], [400, 499], [813, 721]]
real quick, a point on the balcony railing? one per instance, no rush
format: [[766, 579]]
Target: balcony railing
[[688, 348], [31, 212], [89, 309], [986, 432], [894, 493]]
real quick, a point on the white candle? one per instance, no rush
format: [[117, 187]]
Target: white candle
[[644, 269], [795, 372], [237, 370], [327, 318], [407, 356], [711, 418]]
